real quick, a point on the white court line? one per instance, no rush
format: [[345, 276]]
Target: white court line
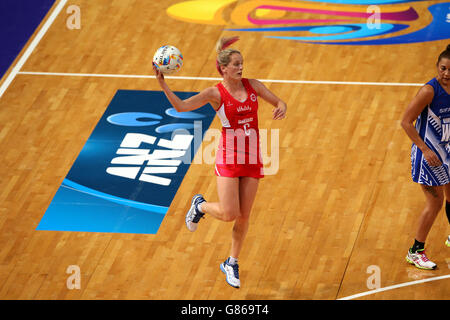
[[396, 286], [16, 69], [63, 74]]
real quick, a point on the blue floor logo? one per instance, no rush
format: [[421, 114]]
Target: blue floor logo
[[131, 167]]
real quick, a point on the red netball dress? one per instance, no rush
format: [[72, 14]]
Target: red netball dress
[[239, 153]]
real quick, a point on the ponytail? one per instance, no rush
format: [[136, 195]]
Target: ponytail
[[224, 43], [444, 54]]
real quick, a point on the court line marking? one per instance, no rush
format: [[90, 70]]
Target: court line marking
[[16, 69], [396, 286], [136, 76]]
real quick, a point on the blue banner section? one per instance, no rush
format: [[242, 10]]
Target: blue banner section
[[18, 20], [131, 167]]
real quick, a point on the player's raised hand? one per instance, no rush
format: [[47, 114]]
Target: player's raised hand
[[158, 73]]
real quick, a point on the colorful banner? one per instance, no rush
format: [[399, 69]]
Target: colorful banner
[[332, 22]]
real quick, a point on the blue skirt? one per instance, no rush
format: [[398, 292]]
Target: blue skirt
[[425, 174]]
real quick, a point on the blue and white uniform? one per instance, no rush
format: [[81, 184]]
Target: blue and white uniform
[[433, 126]]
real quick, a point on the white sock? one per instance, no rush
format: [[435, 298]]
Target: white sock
[[199, 207], [232, 260]]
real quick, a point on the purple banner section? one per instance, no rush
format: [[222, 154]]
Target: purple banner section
[[18, 20]]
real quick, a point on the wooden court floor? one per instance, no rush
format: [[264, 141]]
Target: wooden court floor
[[341, 205]]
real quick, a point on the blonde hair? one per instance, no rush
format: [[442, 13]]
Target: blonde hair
[[224, 54]]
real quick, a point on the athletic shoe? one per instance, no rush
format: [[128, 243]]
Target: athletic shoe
[[232, 273], [420, 260], [193, 215], [447, 242]]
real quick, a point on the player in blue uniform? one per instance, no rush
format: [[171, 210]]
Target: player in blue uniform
[[430, 153]]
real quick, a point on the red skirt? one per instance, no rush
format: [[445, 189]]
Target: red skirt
[[238, 160]]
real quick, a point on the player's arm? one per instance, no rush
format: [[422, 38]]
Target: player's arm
[[414, 109], [208, 95], [279, 112]]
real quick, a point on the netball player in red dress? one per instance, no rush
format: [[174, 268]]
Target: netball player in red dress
[[238, 162]]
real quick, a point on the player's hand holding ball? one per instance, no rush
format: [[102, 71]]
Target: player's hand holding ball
[[158, 73]]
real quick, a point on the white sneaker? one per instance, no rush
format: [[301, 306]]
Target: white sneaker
[[420, 260], [232, 273], [447, 242], [193, 215]]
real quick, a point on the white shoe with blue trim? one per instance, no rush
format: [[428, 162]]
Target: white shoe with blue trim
[[194, 215], [232, 273]]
